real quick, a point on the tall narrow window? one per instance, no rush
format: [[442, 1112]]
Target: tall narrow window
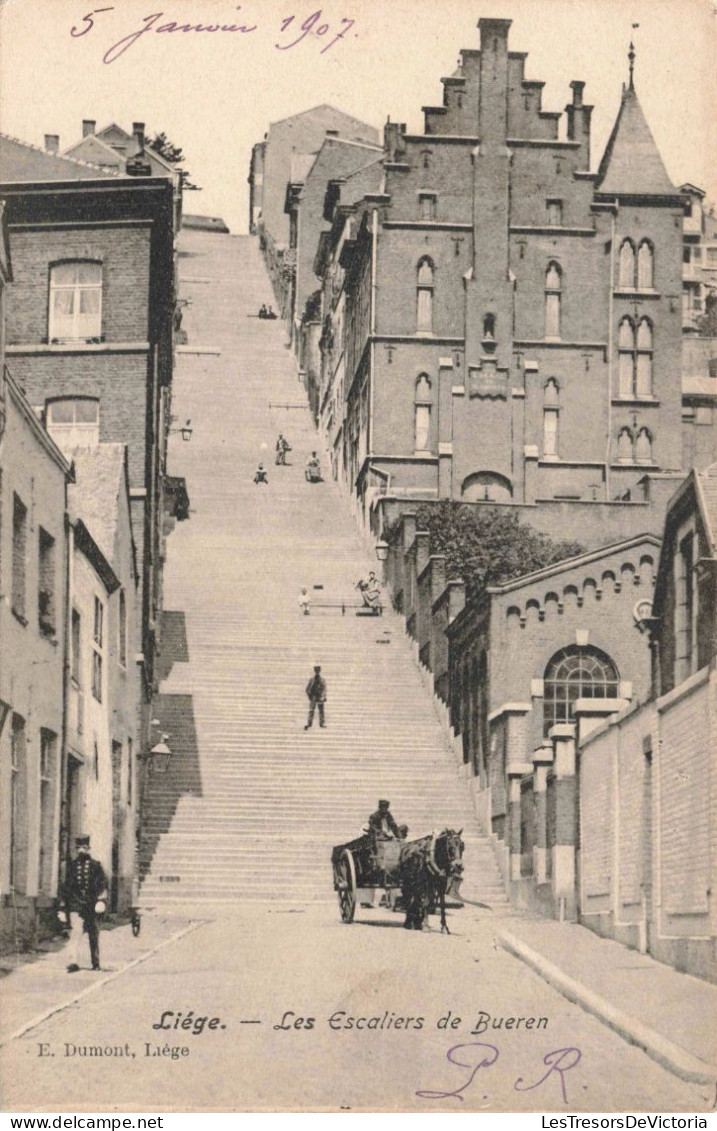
[[18, 805], [427, 205], [422, 414], [555, 213], [551, 417], [424, 297], [75, 301], [684, 609], [645, 273], [626, 272], [643, 363], [46, 590], [76, 658], [130, 771], [122, 629], [19, 556], [97, 641], [643, 446], [624, 446], [553, 289], [626, 357], [48, 777]]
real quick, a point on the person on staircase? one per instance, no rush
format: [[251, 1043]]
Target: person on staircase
[[313, 469], [260, 475], [316, 691], [282, 447], [370, 591]]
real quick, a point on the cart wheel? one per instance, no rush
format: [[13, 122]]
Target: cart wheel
[[346, 877], [136, 923]]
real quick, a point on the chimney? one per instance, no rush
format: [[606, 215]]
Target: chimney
[[88, 126], [52, 143], [138, 131]]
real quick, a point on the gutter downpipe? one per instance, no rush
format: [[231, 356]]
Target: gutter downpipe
[[67, 667], [372, 332], [610, 351]]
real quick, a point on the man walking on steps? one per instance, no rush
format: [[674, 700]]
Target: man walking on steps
[[316, 691]]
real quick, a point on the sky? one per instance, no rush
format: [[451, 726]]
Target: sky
[[215, 93]]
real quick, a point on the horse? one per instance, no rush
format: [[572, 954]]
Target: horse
[[427, 868]]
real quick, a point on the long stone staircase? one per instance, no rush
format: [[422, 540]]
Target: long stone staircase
[[252, 803]]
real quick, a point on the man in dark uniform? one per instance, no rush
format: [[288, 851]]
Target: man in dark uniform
[[316, 691], [85, 885], [383, 825]]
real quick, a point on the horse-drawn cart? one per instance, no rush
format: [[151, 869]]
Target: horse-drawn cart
[[424, 873], [363, 866]]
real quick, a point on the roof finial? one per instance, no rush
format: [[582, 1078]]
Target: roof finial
[[631, 57]]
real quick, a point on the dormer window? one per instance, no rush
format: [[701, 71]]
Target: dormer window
[[75, 301]]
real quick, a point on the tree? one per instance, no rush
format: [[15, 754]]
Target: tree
[[161, 144], [487, 545]]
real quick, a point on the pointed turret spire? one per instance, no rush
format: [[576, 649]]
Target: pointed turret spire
[[632, 163]]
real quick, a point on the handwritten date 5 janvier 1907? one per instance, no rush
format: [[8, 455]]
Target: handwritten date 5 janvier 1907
[[292, 30]]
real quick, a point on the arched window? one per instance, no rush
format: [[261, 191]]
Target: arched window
[[645, 264], [553, 289], [551, 419], [424, 297], [643, 446], [75, 301], [643, 364], [626, 358], [422, 414], [486, 487], [576, 673], [624, 446], [627, 265]]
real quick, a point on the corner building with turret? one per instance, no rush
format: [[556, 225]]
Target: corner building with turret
[[512, 320]]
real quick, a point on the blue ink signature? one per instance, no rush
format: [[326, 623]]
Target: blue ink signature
[[314, 24], [557, 1062]]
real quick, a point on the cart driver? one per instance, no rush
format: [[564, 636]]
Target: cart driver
[[382, 824]]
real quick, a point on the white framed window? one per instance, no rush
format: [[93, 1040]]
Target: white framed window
[[74, 422], [97, 647], [553, 297], [75, 301], [424, 297]]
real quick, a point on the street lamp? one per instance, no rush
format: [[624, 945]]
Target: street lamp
[[159, 756], [185, 430], [382, 549]]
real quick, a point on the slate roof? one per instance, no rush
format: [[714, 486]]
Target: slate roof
[[631, 164], [20, 161]]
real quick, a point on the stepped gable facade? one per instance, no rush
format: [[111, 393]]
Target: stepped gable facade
[[513, 320], [90, 330]]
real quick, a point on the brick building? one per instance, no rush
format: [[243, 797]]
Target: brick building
[[90, 331], [512, 319]]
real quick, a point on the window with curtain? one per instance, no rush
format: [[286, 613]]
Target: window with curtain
[[553, 295], [643, 446], [626, 270], [422, 414], [645, 264], [424, 297], [551, 418], [75, 301]]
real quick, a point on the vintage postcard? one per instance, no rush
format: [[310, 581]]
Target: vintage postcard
[[358, 530]]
